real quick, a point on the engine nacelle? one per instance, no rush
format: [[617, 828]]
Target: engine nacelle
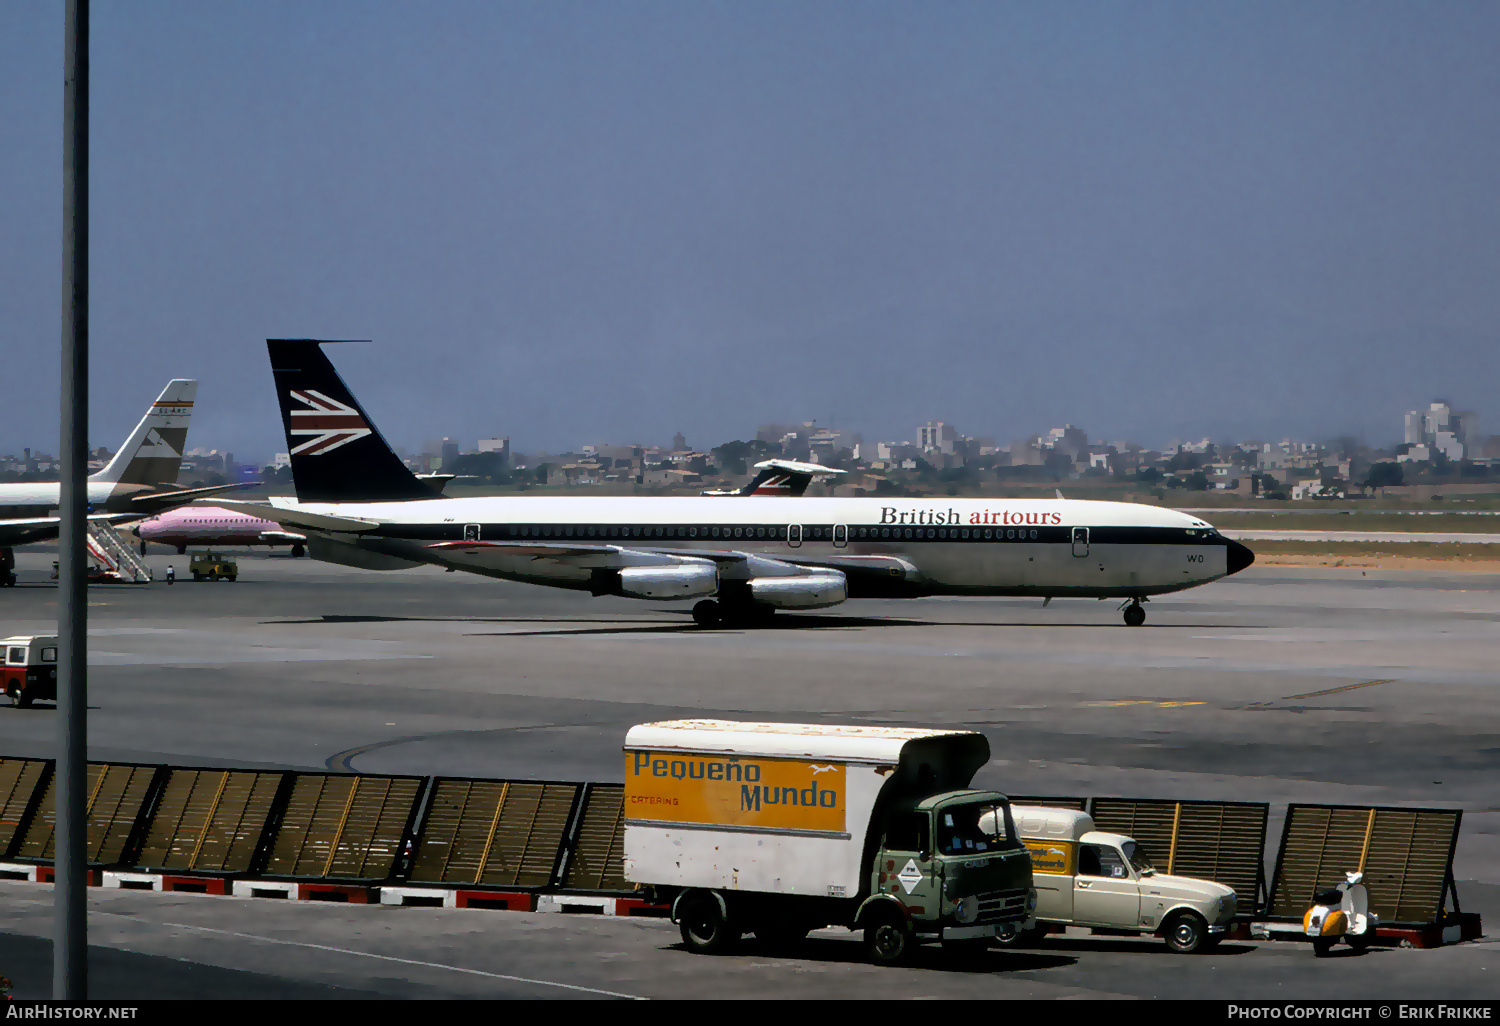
[[804, 591], [669, 582]]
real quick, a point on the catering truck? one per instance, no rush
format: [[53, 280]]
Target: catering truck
[[1085, 877], [777, 829]]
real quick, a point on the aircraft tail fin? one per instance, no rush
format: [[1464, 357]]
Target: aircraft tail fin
[[337, 454], [152, 454], [785, 477]]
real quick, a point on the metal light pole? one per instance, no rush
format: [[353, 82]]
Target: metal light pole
[[70, 899]]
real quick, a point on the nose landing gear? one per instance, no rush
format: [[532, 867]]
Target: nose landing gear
[[1135, 613]]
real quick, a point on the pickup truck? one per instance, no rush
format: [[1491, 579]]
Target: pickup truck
[[1085, 877]]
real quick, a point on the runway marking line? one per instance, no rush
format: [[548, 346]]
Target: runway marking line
[[1326, 691], [369, 954], [1164, 704]]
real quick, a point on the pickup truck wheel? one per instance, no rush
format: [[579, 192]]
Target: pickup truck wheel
[[889, 939], [1187, 933], [703, 926]]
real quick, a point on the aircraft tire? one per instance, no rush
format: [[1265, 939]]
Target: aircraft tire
[[1135, 615], [707, 613]]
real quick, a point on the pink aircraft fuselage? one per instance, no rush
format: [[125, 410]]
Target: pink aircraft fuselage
[[209, 525]]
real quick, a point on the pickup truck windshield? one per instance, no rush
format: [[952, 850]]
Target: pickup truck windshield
[[1136, 856], [973, 829]]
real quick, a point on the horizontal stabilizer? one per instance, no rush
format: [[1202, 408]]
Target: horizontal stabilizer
[[782, 477], [297, 517], [158, 502]]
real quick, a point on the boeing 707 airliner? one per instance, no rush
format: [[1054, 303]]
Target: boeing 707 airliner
[[738, 558]]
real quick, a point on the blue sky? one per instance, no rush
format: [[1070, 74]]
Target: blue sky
[[578, 222]]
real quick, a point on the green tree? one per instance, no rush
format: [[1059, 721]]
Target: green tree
[[1384, 475]]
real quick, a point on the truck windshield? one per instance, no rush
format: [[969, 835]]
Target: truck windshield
[[976, 828], [1136, 856]]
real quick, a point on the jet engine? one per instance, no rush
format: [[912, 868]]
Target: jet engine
[[668, 582], [804, 591]]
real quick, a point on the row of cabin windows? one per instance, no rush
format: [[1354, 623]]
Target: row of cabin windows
[[776, 533]]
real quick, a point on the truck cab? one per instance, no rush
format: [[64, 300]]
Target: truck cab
[[1087, 877], [954, 865], [30, 669]]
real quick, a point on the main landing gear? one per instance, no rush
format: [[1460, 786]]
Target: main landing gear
[[1135, 613]]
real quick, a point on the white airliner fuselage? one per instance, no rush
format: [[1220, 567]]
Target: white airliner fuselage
[[1049, 548]]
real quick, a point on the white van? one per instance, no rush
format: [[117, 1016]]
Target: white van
[[1085, 877]]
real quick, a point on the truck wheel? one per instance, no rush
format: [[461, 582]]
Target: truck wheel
[[1021, 938], [21, 698], [704, 928], [888, 938], [1323, 945], [1187, 933], [231, 577], [1359, 942]]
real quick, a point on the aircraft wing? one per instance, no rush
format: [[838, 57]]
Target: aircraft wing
[[160, 502], [30, 529], [483, 552], [296, 517]]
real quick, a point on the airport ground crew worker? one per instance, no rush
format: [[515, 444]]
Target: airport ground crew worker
[[171, 573]]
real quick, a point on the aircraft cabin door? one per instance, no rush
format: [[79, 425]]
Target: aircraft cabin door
[[840, 535], [1080, 541], [794, 535], [471, 532]]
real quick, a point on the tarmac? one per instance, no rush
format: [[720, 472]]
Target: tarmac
[[1277, 685]]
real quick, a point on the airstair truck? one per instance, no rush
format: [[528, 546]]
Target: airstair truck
[[782, 828]]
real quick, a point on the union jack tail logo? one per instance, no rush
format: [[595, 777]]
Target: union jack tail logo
[[329, 421], [776, 484]]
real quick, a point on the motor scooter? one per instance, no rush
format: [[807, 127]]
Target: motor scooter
[[1341, 913]]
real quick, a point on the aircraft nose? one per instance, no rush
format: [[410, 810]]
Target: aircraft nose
[[1239, 556]]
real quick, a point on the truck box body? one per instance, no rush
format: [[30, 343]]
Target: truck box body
[[777, 808]]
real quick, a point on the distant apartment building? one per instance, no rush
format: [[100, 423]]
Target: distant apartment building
[[500, 445], [1438, 430], [936, 436]]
